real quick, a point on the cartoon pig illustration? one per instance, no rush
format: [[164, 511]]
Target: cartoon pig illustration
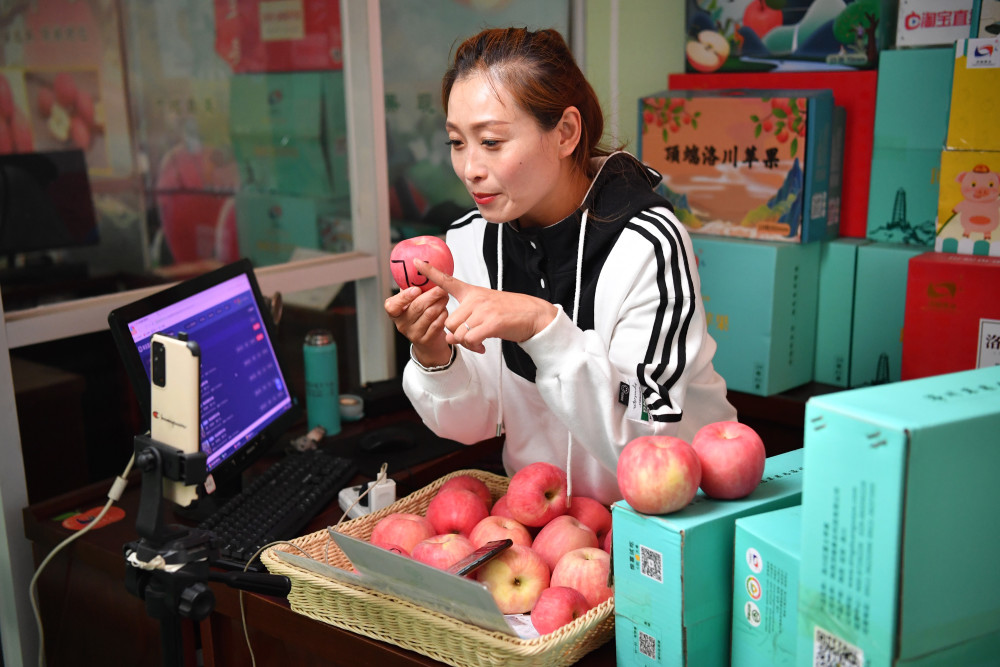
[[979, 208]]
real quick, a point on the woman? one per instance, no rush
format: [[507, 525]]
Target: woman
[[573, 320]]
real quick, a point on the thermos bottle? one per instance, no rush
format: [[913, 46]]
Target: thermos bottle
[[322, 387]]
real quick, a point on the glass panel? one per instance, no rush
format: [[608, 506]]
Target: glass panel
[[417, 41]]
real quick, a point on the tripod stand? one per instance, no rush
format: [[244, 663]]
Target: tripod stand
[[169, 566]]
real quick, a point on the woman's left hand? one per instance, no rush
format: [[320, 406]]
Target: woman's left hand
[[485, 313]]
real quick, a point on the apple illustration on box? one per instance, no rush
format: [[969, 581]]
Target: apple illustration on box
[[708, 52], [431, 249]]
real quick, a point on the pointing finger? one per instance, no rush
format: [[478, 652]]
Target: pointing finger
[[452, 285]]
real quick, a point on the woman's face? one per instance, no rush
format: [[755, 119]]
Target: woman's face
[[508, 163]]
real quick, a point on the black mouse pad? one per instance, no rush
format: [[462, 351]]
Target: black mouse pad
[[401, 446]]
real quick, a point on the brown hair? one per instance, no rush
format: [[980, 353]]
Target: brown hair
[[539, 72]]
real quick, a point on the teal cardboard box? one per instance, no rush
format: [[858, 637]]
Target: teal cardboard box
[[766, 588], [271, 227], [835, 311], [760, 301], [879, 311], [906, 157], [900, 524], [289, 133], [674, 572]]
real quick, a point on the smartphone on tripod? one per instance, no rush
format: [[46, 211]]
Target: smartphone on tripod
[[175, 402]]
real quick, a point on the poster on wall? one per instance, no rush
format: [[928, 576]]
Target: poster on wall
[[425, 194], [61, 63]]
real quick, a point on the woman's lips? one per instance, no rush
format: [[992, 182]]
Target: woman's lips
[[482, 198]]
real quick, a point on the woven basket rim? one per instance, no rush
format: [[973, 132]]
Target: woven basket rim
[[318, 596]]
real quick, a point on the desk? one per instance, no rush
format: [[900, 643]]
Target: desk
[[90, 619]]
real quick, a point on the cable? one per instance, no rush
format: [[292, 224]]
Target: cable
[[114, 495], [382, 476]]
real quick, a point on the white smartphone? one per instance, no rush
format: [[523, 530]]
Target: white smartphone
[[175, 403]]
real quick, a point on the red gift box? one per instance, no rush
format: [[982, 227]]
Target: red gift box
[[260, 36], [855, 91], [952, 320]]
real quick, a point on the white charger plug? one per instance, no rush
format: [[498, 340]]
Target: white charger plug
[[381, 493]]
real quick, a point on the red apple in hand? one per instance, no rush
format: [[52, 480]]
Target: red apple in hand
[[592, 514], [536, 494], [560, 536], [515, 579], [499, 528], [585, 569], [470, 483], [431, 249], [658, 474], [456, 511], [732, 459], [557, 606], [442, 551], [402, 530]]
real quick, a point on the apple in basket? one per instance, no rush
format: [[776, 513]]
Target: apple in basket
[[592, 514], [499, 528], [456, 511], [658, 474], [515, 579], [500, 507], [442, 551], [431, 249], [561, 535], [470, 483], [586, 570], [401, 529], [536, 494], [557, 606], [732, 459]]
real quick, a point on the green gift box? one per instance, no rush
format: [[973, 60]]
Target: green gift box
[[900, 530], [760, 302]]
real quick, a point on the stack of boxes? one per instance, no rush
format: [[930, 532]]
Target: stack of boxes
[[288, 127], [887, 556]]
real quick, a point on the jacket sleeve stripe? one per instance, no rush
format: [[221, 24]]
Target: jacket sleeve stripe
[[661, 232]]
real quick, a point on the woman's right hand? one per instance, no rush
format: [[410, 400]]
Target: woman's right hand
[[420, 317]]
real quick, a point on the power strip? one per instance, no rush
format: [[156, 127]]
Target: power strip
[[382, 493]]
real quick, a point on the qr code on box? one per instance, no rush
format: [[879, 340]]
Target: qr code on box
[[647, 645], [830, 650], [651, 563]]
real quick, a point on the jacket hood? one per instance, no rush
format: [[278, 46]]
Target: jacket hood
[[622, 187]]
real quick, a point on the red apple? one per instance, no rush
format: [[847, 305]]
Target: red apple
[[557, 606], [500, 507], [585, 569], [431, 249], [6, 99], [760, 18], [606, 544], [79, 133], [401, 529], [536, 494], [591, 513], [442, 551], [65, 89], [46, 98], [470, 483], [732, 459], [456, 511], [499, 528], [560, 536], [658, 474], [515, 579]]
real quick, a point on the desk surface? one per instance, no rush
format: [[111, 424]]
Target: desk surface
[[90, 618]]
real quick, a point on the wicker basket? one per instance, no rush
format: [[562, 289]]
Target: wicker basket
[[389, 619]]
